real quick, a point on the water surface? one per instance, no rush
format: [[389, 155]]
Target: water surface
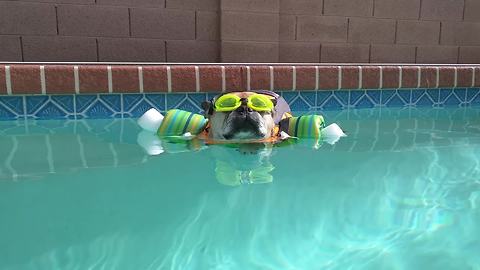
[[402, 191]]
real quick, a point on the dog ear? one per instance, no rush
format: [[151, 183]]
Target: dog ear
[[207, 108]]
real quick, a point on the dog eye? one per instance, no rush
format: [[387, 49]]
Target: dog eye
[[259, 103], [228, 102]]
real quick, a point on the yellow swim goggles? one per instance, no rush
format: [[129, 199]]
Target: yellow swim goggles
[[231, 102]]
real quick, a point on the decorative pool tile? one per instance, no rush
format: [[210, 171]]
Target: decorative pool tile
[[113, 101], [434, 94], [134, 105], [343, 96], [364, 102], [11, 107], [98, 110], [396, 98], [331, 103], [50, 107], [83, 101], [157, 100], [472, 94], [322, 97], [189, 102], [475, 100], [301, 101], [130, 101], [363, 99], [375, 96], [406, 95]]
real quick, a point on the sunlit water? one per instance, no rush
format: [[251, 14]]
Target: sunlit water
[[402, 191]]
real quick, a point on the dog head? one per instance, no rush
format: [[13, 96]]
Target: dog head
[[243, 121]]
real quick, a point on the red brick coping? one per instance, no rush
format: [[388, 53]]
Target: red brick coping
[[17, 79]]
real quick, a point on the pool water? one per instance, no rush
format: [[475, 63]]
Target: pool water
[[402, 191]]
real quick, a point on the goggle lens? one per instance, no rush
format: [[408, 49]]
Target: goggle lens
[[261, 103], [230, 102]]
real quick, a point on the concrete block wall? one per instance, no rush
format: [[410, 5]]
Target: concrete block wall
[[356, 31], [110, 30], [380, 31]]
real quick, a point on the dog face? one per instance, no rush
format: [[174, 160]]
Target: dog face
[[241, 123]]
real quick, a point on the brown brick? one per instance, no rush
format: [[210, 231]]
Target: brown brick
[[428, 77], [131, 3], [210, 78], [194, 4], [339, 53], [472, 9], [93, 79], [469, 55], [370, 77], [92, 21], [328, 77], [390, 77], [250, 26], [310, 7], [299, 52], [460, 33], [418, 32], [192, 51], [446, 77], [410, 77], [131, 50], [363, 30], [477, 77], [445, 10], [464, 76], [271, 6], [392, 54], [404, 9], [59, 49], [259, 77], [350, 77], [155, 79], [82, 2], [306, 78], [287, 27], [3, 83], [282, 78], [235, 78], [324, 29], [249, 51], [125, 79], [437, 54], [11, 49], [183, 79], [208, 25], [162, 23], [25, 79], [27, 18], [348, 7], [59, 79]]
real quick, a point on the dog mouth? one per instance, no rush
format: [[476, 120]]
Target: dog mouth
[[244, 126]]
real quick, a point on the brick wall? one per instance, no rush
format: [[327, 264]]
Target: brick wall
[[404, 31]]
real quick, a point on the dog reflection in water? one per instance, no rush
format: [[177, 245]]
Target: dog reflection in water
[[235, 164]]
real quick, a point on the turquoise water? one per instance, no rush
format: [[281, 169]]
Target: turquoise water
[[402, 191]]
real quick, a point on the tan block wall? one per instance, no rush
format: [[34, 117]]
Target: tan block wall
[[388, 31], [110, 30]]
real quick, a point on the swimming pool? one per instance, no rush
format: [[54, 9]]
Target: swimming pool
[[402, 191]]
